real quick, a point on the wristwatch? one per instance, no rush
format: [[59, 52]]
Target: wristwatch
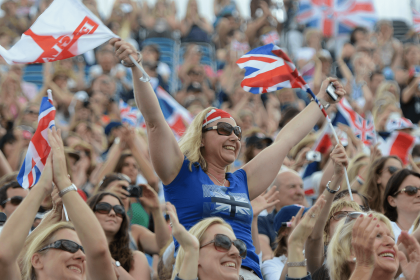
[[68, 189], [117, 264], [330, 190], [296, 264]]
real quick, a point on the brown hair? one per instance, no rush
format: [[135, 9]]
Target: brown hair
[[281, 241], [120, 163]]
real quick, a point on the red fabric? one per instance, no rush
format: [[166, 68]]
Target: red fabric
[[216, 114]]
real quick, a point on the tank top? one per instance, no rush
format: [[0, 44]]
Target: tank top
[[196, 197]]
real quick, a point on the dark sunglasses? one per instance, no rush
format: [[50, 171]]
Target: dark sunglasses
[[222, 243], [340, 215], [15, 200], [225, 129], [260, 145], [32, 112], [409, 190], [105, 208], [64, 245], [392, 169], [353, 215]]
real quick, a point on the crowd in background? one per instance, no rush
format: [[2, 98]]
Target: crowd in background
[[107, 160]]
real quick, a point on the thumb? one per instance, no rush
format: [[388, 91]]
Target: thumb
[[403, 259]]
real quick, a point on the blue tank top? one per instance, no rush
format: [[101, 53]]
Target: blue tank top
[[196, 197]]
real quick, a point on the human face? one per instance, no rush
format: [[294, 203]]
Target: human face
[[407, 205], [220, 149], [9, 208], [377, 79], [334, 222], [110, 222], [290, 187], [59, 264], [390, 165], [356, 198], [385, 243], [130, 168], [213, 264]]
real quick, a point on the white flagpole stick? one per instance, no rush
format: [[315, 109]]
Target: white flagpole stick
[[65, 212], [145, 78]]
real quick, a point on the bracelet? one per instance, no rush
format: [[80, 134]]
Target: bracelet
[[330, 190], [324, 103], [68, 189], [132, 64], [296, 264]]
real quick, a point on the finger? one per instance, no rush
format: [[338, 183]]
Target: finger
[[273, 197], [272, 204], [114, 40], [402, 258], [270, 192]]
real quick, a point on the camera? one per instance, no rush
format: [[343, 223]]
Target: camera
[[331, 92], [313, 156], [134, 190]]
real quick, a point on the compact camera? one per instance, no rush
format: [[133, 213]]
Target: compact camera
[[134, 190], [331, 92]]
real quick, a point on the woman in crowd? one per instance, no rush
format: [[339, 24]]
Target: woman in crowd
[[110, 212], [364, 248], [378, 176], [410, 99], [402, 201], [56, 252], [411, 59], [141, 238], [195, 28], [194, 172]]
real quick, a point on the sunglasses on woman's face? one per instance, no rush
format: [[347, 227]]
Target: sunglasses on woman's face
[[409, 190], [14, 200], [353, 215], [105, 208], [64, 245], [225, 129], [392, 169], [340, 215], [222, 243]]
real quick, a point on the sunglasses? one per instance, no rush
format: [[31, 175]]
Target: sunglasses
[[353, 215], [392, 169], [340, 215], [409, 190], [14, 200], [222, 243], [225, 129], [105, 208], [64, 245], [32, 112]]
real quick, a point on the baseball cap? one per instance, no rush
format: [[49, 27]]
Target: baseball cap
[[285, 215], [111, 125], [257, 138]]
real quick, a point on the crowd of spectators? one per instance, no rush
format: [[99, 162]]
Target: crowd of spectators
[[232, 199]]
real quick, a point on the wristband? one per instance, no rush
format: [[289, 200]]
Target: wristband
[[68, 189], [330, 190], [129, 65], [324, 103], [296, 264]]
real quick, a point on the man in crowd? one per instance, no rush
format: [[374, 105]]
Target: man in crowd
[[11, 195]]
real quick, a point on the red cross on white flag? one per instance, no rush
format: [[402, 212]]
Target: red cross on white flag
[[66, 29]]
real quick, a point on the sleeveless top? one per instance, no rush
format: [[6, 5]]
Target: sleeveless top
[[138, 215], [196, 197]]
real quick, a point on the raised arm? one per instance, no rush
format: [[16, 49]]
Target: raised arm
[[262, 169], [314, 246], [18, 225], [166, 155], [90, 232]]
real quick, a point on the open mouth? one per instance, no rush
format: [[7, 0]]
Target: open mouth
[[229, 265], [387, 255], [75, 269], [231, 148]]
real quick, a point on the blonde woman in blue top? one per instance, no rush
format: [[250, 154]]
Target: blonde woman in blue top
[[195, 170]]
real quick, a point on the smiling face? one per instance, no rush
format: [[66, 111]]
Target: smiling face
[[386, 251], [213, 264], [110, 222], [407, 205], [220, 149], [59, 264], [130, 168]]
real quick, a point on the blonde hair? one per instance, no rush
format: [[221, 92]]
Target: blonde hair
[[340, 248], [42, 239], [380, 106], [353, 170], [198, 231], [416, 223], [384, 87], [190, 143]]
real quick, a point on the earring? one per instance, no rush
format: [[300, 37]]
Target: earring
[[354, 259]]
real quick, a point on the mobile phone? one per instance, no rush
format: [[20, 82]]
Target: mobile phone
[[313, 156], [331, 92]]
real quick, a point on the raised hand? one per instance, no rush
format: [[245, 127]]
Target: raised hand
[[45, 181], [339, 90], [339, 159], [57, 205], [123, 50], [264, 201], [58, 159], [411, 269], [150, 198]]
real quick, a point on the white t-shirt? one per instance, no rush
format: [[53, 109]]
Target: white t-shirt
[[271, 269], [397, 231]]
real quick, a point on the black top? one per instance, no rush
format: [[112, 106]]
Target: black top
[[411, 109]]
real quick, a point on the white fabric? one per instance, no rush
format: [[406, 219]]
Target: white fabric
[[248, 275], [271, 269], [397, 231], [65, 29]]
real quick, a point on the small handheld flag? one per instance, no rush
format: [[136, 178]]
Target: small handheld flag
[[39, 147]]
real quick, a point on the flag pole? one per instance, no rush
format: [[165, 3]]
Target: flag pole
[[145, 78], [334, 133]]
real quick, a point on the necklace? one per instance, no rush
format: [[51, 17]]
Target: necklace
[[224, 181]]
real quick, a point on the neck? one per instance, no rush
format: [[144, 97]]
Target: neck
[[406, 220], [382, 275], [109, 237], [217, 171]]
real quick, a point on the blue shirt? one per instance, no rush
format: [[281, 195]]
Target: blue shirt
[[196, 197]]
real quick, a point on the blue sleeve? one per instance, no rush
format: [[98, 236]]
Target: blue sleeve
[[262, 225], [307, 277]]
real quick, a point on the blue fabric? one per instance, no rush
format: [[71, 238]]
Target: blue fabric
[[266, 227], [196, 197], [307, 277]]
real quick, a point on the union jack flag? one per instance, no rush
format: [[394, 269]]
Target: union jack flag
[[268, 69], [397, 124], [416, 20], [39, 147], [129, 114], [336, 17]]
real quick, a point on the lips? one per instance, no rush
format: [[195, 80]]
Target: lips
[[229, 264], [230, 148], [75, 268], [387, 254]]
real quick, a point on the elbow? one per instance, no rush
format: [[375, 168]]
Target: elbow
[[101, 249]]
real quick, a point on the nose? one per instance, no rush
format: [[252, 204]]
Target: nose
[[112, 213], [79, 255], [233, 251]]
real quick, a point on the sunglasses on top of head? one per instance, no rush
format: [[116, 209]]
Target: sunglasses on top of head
[[225, 129], [222, 243], [14, 200], [64, 245], [105, 208], [409, 190]]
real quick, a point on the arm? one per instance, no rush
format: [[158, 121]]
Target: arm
[[139, 271], [410, 91], [90, 232], [264, 242], [4, 165], [166, 155], [111, 160], [314, 246], [259, 174], [15, 231]]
